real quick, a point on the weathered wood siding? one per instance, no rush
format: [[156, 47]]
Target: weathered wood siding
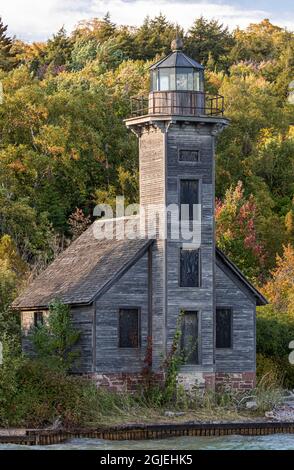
[[83, 321], [131, 290], [27, 323], [230, 293], [187, 103], [152, 149], [191, 136]]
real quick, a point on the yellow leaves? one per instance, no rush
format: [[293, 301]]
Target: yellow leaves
[[9, 257], [17, 166], [280, 289], [52, 139], [75, 154]]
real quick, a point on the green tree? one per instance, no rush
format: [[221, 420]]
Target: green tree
[[54, 341], [236, 231], [58, 51], [13, 272], [209, 41], [154, 37], [6, 52]]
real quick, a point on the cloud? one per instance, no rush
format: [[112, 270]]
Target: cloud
[[37, 20]]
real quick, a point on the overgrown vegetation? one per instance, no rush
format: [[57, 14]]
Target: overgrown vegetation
[[54, 340], [38, 391]]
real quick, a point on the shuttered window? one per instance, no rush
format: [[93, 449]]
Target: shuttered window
[[189, 195], [223, 328], [38, 319], [129, 324], [189, 268], [190, 337]]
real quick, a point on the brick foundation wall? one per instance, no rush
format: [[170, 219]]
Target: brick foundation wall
[[219, 381], [119, 382], [235, 381]]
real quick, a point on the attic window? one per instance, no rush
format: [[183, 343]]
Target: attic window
[[38, 319], [129, 335]]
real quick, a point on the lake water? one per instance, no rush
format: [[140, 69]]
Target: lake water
[[271, 442]]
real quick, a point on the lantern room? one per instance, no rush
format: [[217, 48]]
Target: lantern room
[[177, 72]]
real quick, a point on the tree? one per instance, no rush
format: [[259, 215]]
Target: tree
[[13, 271], [280, 288], [259, 42], [6, 55], [209, 40], [99, 29], [154, 37], [78, 223], [58, 51], [55, 339], [236, 231]]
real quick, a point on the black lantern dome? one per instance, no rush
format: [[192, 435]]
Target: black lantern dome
[[177, 72]]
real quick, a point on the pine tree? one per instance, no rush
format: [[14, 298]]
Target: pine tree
[[208, 39], [59, 49], [6, 56]]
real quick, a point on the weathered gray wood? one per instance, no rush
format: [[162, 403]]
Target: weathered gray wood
[[187, 103], [229, 293], [130, 291]]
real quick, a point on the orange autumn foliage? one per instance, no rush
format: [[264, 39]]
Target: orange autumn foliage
[[280, 289]]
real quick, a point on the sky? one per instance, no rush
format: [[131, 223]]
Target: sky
[[36, 20]]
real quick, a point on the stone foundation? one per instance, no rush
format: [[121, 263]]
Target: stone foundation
[[123, 382], [241, 381], [197, 381], [219, 381]]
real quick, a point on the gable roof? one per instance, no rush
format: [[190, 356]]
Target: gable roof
[[176, 59], [260, 299], [85, 270], [90, 266]]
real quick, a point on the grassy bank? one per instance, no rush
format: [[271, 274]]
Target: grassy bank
[[34, 395]]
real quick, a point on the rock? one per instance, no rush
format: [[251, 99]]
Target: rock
[[269, 414], [171, 414], [57, 424], [251, 405]]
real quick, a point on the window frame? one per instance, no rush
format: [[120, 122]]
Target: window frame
[[188, 162], [231, 325], [198, 366], [129, 307], [199, 267], [41, 322], [190, 178]]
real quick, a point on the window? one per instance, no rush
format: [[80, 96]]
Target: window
[[190, 337], [187, 155], [167, 79], [129, 336], [189, 268], [184, 79], [38, 319], [189, 195], [223, 328]]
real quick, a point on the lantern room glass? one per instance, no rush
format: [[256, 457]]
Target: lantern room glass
[[177, 79]]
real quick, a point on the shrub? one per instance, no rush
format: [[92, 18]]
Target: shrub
[[274, 333], [54, 340]]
